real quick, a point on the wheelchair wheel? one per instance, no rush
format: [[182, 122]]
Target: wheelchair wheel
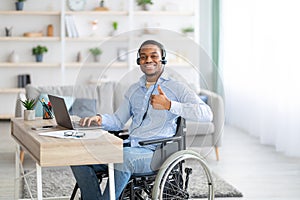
[[178, 177]]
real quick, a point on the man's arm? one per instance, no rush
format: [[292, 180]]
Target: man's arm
[[189, 106]]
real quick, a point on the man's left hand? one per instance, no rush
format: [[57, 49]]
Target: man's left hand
[[160, 101]]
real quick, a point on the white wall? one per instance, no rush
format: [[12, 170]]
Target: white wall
[[67, 75]]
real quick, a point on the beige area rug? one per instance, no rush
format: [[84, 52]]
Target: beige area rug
[[59, 182]]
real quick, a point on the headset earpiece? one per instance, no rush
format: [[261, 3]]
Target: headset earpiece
[[138, 61], [163, 61]]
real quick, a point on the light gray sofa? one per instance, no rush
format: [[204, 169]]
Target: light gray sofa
[[107, 98]]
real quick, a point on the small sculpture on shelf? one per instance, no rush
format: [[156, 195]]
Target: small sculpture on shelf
[[96, 52], [8, 31], [39, 51], [20, 4], [79, 57], [101, 7]]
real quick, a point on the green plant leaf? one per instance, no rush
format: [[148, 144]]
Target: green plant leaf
[[39, 50], [29, 103]]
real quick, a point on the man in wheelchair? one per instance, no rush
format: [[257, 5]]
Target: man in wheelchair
[[153, 103]]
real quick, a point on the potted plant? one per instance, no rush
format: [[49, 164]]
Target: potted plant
[[115, 28], [20, 4], [38, 51], [187, 31], [29, 104], [96, 52], [144, 4]]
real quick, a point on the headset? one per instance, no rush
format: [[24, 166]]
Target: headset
[[163, 51]]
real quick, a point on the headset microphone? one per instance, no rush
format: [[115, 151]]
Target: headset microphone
[[163, 61]]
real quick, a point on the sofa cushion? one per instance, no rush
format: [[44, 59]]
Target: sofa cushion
[[83, 107], [39, 108], [104, 94], [199, 128], [204, 98]]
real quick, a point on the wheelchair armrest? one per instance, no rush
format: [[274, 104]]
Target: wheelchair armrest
[[162, 140], [120, 132], [123, 134]]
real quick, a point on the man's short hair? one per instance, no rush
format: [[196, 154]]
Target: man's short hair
[[163, 51]]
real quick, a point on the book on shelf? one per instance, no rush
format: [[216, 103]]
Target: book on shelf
[[73, 26], [68, 27], [71, 29]]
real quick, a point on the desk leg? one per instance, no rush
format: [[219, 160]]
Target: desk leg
[[17, 175], [111, 181], [39, 182]]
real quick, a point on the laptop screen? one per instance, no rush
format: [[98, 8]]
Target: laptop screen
[[60, 110]]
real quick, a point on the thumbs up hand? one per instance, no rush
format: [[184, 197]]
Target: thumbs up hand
[[160, 101]]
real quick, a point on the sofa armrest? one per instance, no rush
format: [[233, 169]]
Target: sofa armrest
[[19, 107], [216, 104]]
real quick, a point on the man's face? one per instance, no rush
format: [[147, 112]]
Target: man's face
[[150, 61]]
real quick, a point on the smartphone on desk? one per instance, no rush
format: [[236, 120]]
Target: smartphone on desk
[[46, 127]]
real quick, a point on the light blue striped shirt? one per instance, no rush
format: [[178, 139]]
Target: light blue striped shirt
[[157, 123]]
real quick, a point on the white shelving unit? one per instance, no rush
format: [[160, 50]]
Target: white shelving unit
[[59, 63]]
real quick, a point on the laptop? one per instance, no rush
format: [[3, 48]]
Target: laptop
[[62, 115]]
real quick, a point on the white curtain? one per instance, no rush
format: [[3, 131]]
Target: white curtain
[[261, 69]]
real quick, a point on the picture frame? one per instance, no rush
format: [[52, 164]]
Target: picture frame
[[122, 54]]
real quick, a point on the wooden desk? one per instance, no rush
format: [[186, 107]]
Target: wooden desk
[[49, 151]]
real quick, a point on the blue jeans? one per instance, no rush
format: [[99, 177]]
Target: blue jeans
[[135, 160]]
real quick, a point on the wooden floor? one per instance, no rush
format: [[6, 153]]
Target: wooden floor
[[256, 170]]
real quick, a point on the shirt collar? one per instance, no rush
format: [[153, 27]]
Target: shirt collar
[[161, 79]]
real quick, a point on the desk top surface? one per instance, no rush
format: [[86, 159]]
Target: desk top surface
[[50, 151]]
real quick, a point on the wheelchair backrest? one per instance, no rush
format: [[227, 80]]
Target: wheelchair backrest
[[164, 150]]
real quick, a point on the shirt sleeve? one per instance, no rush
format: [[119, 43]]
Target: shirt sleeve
[[193, 111], [117, 121]]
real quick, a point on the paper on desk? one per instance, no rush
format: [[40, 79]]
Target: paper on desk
[[61, 134]]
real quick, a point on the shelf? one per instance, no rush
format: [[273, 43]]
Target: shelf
[[11, 90], [94, 39], [20, 39], [30, 12], [120, 13], [164, 13], [67, 47], [78, 65], [29, 64], [6, 116]]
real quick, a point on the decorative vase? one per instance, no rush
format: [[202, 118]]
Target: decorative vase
[[13, 57], [145, 7], [39, 58], [29, 115], [113, 33], [50, 30], [19, 5], [97, 58]]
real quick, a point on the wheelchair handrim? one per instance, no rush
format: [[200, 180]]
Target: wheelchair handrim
[[171, 162]]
